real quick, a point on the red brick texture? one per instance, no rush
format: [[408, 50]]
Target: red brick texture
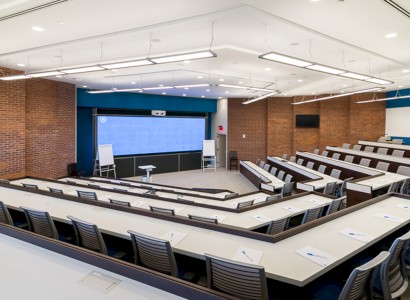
[[341, 121], [37, 128]]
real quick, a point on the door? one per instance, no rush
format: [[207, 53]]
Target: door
[[221, 151]]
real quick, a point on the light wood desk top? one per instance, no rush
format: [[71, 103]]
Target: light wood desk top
[[266, 177], [385, 145], [245, 220], [279, 259], [31, 272]]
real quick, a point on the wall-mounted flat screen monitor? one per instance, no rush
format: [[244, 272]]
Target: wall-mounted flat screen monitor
[[138, 135], [308, 121]]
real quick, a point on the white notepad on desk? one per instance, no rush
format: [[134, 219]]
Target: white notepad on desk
[[317, 256], [261, 218], [404, 206], [174, 237], [316, 201], [357, 235], [249, 256], [292, 208], [390, 217]]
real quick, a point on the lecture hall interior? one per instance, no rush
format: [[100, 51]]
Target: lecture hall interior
[[236, 149]]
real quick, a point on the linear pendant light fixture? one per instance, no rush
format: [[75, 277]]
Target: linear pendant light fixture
[[242, 87], [261, 97], [153, 88], [117, 65], [397, 96], [338, 95], [288, 60]]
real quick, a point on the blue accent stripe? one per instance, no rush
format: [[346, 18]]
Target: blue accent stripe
[[398, 102], [406, 140]]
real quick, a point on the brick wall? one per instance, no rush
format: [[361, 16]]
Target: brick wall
[[37, 127], [249, 120], [341, 121]]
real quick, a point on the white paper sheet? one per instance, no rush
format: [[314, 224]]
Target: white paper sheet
[[247, 255], [174, 237], [261, 218], [321, 258], [316, 201], [390, 217], [219, 217], [357, 235], [292, 208], [403, 206]]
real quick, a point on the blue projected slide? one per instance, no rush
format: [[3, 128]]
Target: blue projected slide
[[143, 135]]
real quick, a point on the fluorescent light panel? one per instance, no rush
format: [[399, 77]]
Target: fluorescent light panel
[[45, 74], [260, 98], [383, 99], [321, 68], [242, 87], [184, 56], [191, 85], [14, 77], [101, 92], [129, 90], [157, 88], [82, 70], [128, 64]]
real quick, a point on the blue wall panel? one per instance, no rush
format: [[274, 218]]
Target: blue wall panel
[[398, 102], [85, 147]]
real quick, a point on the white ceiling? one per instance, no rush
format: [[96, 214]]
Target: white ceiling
[[347, 34]]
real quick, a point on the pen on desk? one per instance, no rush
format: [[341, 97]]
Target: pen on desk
[[172, 236], [359, 234], [316, 255], [244, 253], [389, 217]]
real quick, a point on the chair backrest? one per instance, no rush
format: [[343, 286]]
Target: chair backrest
[[233, 154], [4, 181], [310, 164], [261, 164], [280, 175], [382, 139], [245, 281], [284, 155], [120, 190], [322, 169], [288, 178], [349, 158], [357, 285], [316, 151], [72, 169], [88, 235], [383, 166], [403, 170], [357, 147], [245, 204], [404, 188], [55, 191], [30, 186], [341, 191], [330, 188], [325, 153], [347, 146], [166, 211], [71, 182], [287, 189], [335, 173], [397, 141], [300, 161], [119, 202], [5, 216], [278, 226], [266, 167], [382, 151], [365, 162], [312, 214], [336, 156], [398, 153], [393, 187], [273, 197], [203, 219], [335, 205], [87, 195], [368, 149], [40, 222], [273, 170], [153, 253], [93, 185], [292, 159]]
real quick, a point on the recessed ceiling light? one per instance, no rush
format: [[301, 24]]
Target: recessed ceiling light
[[227, 92], [313, 93], [133, 82], [21, 65], [202, 96], [187, 61], [400, 86], [78, 79], [285, 94], [314, 0], [300, 80], [186, 88], [114, 70], [161, 85], [221, 80], [342, 91], [59, 76], [139, 91], [240, 82], [61, 23], [219, 97], [184, 95], [37, 28], [208, 90], [268, 69], [404, 71], [163, 93], [200, 77], [345, 85], [84, 86], [390, 35]]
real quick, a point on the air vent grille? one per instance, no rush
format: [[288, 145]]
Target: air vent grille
[[29, 10]]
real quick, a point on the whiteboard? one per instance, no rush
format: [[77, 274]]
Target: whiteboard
[[105, 156], [396, 121], [208, 148]]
